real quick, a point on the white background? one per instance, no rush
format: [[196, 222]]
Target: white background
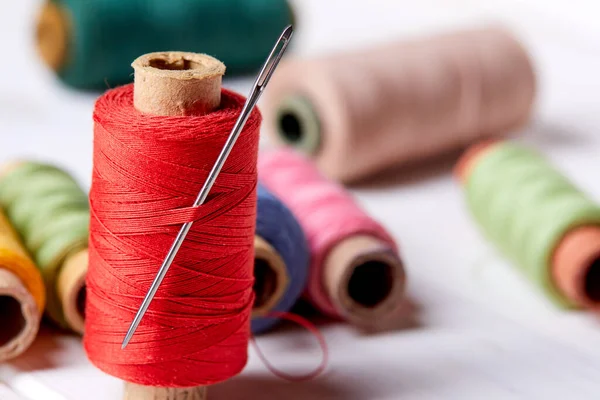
[[479, 330]]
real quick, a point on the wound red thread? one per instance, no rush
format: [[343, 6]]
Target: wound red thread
[[147, 173]]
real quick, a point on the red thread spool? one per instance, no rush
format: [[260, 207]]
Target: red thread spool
[[147, 172]]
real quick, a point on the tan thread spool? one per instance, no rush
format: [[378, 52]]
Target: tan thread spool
[[20, 309], [70, 282], [359, 114], [365, 281], [52, 35], [71, 289], [576, 258], [271, 277]]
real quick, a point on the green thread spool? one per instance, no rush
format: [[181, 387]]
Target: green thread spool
[[538, 219], [51, 214], [91, 43]]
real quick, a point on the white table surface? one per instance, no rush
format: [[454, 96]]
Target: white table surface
[[479, 329]]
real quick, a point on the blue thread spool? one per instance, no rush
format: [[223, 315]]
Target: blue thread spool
[[279, 228]]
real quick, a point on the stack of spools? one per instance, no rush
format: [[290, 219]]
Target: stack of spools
[[90, 44], [255, 248], [360, 114]]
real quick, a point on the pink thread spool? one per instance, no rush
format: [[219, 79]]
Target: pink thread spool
[[355, 273], [359, 114]]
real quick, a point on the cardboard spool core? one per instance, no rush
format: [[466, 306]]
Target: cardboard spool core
[[52, 35], [177, 83], [575, 264], [174, 84], [365, 281], [19, 316], [271, 277], [71, 289]]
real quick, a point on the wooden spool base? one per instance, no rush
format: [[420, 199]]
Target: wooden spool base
[[140, 392]]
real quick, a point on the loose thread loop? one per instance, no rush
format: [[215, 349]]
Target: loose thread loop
[[309, 327]]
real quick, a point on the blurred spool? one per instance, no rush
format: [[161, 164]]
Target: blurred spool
[[359, 114], [355, 271], [90, 44], [22, 295], [281, 260], [50, 212], [538, 218]]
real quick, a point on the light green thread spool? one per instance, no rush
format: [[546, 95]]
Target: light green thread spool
[[526, 208], [51, 213]]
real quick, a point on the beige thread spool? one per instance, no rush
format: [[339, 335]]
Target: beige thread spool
[[70, 282], [177, 84], [22, 295], [359, 114]]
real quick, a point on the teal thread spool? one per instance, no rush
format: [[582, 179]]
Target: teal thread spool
[[51, 213], [538, 219], [91, 43]]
